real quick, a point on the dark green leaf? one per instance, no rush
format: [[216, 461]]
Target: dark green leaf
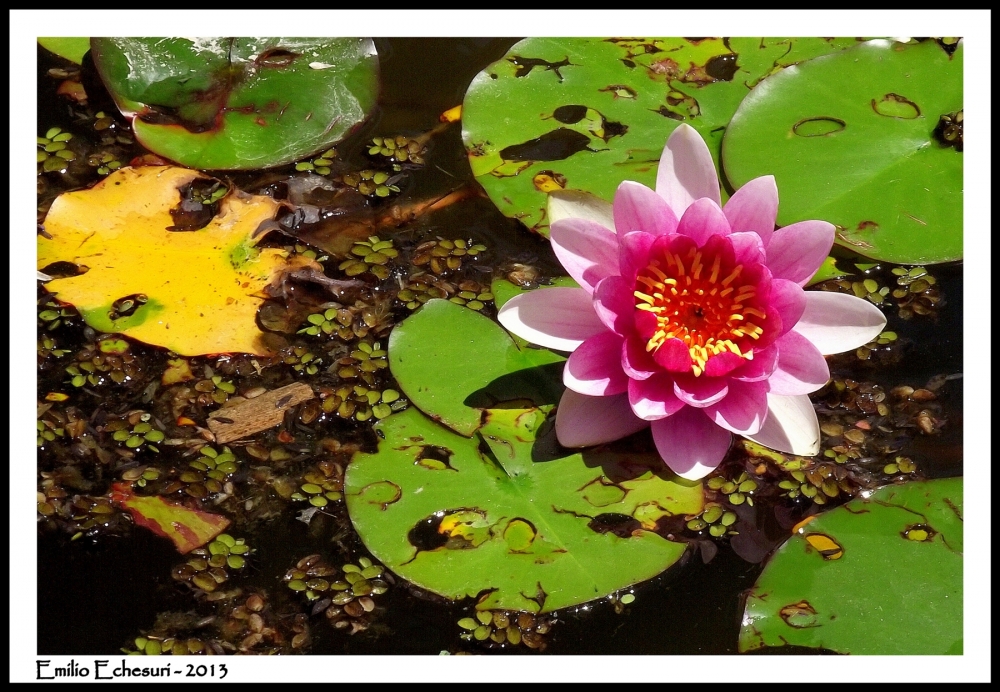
[[239, 103]]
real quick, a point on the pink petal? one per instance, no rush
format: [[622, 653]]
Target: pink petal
[[748, 248], [754, 207], [801, 367], [700, 391], [760, 368], [836, 322], [673, 355], [744, 408], [636, 361], [702, 220], [564, 204], [690, 444], [654, 398], [637, 208], [615, 304], [795, 252], [791, 426], [587, 250], [558, 318], [634, 249], [595, 368], [582, 421], [686, 171], [788, 298], [723, 363]]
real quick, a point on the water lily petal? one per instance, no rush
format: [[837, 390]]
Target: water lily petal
[[563, 204], [702, 220], [634, 249], [595, 368], [791, 426], [637, 208], [636, 361], [673, 355], [614, 304], [748, 248], [686, 171], [764, 362], [700, 391], [587, 250], [722, 364], [795, 252], [690, 444], [744, 408], [558, 318], [754, 207], [582, 421], [836, 322], [801, 367], [788, 298], [654, 398]]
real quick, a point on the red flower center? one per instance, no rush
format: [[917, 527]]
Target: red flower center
[[702, 297]]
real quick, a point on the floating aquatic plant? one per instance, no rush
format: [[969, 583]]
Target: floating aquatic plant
[[690, 318]]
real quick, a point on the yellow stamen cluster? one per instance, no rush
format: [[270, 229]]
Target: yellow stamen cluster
[[694, 302]]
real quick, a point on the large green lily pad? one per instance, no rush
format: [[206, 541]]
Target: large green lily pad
[[453, 363], [881, 575], [587, 113], [239, 103], [849, 138], [497, 517]]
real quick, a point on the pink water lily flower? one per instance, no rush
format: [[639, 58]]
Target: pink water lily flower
[[690, 317]]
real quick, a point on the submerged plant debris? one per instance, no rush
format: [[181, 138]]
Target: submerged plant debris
[[307, 433]]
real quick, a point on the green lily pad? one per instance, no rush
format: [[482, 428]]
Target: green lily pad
[[453, 363], [483, 517], [239, 103], [73, 48], [587, 113], [850, 139], [881, 575]]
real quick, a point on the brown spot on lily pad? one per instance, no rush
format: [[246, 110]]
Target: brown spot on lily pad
[[382, 493], [799, 615], [821, 126], [896, 106], [828, 548], [919, 533], [435, 458]]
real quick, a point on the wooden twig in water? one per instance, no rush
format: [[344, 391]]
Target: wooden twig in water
[[254, 415]]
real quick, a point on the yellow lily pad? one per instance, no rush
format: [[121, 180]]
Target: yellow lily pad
[[201, 288]]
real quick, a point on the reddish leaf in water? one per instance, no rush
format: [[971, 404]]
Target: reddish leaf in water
[[187, 528]]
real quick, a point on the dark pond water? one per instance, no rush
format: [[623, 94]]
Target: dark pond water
[[95, 595]]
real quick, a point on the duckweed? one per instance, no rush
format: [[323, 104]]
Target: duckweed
[[318, 164], [54, 155], [443, 256], [372, 256], [500, 628], [372, 183], [399, 148]]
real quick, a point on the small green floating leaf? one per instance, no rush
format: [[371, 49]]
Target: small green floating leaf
[[881, 575], [850, 139], [239, 103], [498, 521], [452, 363]]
